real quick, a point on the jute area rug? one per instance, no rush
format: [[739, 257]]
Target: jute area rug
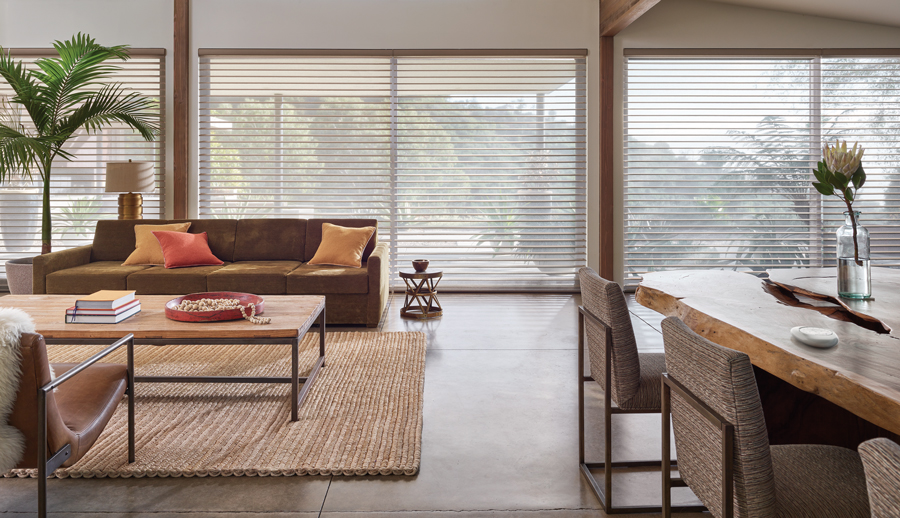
[[363, 415]]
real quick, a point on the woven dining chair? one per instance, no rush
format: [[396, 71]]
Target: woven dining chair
[[630, 380], [724, 454], [881, 459]]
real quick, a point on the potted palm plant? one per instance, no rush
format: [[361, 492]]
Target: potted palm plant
[[51, 103]]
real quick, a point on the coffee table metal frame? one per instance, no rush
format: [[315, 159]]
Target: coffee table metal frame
[[297, 394]]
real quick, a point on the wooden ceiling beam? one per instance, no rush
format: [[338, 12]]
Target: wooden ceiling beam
[[615, 15]]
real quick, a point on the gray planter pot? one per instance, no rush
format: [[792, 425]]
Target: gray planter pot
[[19, 275]]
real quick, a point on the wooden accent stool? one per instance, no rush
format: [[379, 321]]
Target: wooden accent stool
[[421, 294]]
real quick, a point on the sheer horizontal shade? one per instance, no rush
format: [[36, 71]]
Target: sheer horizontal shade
[[475, 162], [719, 152]]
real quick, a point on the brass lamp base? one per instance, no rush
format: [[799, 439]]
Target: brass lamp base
[[131, 206]]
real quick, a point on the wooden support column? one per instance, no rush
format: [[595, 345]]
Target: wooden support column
[[181, 123], [615, 15], [608, 204]]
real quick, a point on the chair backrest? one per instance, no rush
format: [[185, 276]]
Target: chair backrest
[[722, 379], [605, 300], [24, 416], [881, 459]]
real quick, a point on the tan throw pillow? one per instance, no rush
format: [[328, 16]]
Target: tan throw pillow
[[342, 246], [146, 246]]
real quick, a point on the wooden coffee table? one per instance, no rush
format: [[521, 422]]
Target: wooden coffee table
[[291, 315]]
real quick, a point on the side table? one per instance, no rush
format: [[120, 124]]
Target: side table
[[421, 294]]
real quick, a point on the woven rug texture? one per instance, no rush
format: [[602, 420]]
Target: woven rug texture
[[363, 415]]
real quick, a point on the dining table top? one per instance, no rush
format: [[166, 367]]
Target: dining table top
[[755, 314]]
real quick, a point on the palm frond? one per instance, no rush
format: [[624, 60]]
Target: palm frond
[[20, 153], [28, 92], [108, 106], [68, 78]]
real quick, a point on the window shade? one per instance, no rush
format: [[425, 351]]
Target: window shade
[[476, 163], [719, 152], [77, 187]]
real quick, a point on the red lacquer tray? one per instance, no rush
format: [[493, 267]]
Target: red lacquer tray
[[214, 316]]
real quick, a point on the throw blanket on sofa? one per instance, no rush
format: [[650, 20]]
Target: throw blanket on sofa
[[13, 322]]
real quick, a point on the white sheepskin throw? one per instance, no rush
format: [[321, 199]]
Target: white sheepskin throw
[[13, 322]]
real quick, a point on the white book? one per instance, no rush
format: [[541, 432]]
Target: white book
[[106, 312], [102, 319]]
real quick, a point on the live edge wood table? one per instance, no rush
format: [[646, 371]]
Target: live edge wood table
[[292, 316], [839, 396]]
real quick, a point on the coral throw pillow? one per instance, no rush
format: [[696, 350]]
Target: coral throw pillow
[[342, 246], [146, 247], [182, 249]]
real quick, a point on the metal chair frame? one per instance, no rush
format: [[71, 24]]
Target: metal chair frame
[[604, 494], [727, 445], [47, 466]]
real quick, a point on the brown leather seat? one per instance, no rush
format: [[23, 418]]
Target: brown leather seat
[[77, 411]]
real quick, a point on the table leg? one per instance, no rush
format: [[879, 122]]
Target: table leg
[[322, 336], [295, 377], [319, 363], [131, 400]]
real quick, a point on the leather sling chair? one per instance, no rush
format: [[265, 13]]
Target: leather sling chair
[[63, 424]]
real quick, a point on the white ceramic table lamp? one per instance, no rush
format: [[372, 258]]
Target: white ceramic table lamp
[[130, 179]]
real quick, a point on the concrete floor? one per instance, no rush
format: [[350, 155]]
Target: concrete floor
[[499, 440]]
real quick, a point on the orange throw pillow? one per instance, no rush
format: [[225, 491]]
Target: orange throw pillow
[[182, 249], [146, 247], [342, 246]]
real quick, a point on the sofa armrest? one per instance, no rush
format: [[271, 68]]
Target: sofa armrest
[[46, 264], [378, 270]]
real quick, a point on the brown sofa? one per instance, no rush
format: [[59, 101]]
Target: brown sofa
[[262, 256]]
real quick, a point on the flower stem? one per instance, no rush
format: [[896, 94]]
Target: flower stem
[[855, 242]]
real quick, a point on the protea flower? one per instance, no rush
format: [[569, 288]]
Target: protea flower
[[840, 173], [840, 160]]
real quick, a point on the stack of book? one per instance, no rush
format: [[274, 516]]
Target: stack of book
[[103, 307]]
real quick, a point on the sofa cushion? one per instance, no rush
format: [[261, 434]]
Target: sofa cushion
[[114, 238], [257, 277], [91, 277], [322, 280], [314, 234], [221, 233], [270, 240], [157, 280]]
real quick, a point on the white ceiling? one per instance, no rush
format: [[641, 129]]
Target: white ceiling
[[882, 12]]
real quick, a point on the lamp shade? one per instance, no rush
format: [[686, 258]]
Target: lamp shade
[[130, 177]]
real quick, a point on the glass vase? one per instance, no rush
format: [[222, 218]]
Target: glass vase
[[854, 272]]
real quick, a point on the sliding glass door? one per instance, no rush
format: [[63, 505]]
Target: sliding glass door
[[474, 162], [719, 152]]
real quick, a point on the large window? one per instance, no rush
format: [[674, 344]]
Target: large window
[[475, 162], [77, 187], [719, 152]]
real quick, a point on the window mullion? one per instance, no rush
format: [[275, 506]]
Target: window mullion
[[816, 226]]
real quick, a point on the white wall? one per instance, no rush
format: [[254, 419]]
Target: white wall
[[138, 23], [406, 24], [688, 24]]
